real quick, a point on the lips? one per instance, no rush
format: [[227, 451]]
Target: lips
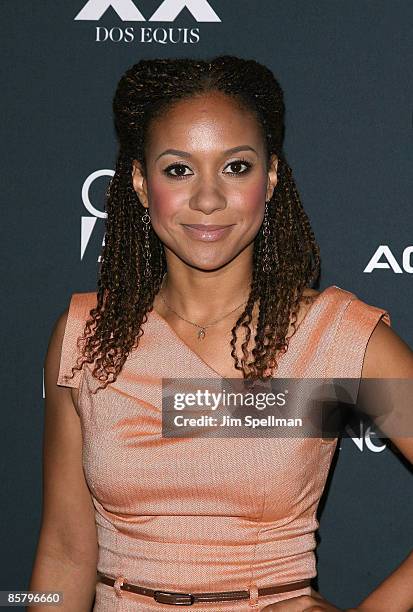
[[207, 227], [207, 233]]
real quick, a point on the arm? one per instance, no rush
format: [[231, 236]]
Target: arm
[[388, 356], [66, 555]]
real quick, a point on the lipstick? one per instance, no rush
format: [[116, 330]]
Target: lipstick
[[207, 233]]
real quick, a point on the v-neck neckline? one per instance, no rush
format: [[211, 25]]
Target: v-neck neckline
[[308, 316]]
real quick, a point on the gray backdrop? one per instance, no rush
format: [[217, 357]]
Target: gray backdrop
[[344, 67]]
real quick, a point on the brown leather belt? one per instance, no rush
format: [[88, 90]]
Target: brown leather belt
[[187, 599]]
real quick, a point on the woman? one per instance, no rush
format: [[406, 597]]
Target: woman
[[205, 273]]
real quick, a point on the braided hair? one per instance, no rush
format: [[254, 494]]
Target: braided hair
[[125, 295]]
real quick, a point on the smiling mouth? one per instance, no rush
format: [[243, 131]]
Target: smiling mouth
[[207, 233]]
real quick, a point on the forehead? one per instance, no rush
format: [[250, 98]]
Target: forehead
[[211, 119]]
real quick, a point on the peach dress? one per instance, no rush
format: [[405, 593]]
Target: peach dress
[[202, 514]]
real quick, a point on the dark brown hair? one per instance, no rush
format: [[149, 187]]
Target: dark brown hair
[[125, 295]]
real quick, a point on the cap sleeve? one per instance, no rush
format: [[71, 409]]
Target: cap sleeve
[[349, 345], [79, 310]]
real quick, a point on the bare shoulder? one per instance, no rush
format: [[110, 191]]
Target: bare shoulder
[[387, 355]]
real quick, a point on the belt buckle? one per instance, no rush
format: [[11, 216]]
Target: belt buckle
[[177, 599]]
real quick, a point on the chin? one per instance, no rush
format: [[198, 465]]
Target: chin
[[207, 265]]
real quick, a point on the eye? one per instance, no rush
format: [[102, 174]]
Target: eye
[[237, 163], [177, 170], [179, 167]]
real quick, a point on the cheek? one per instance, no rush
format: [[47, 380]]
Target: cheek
[[251, 200], [256, 194], [164, 202]]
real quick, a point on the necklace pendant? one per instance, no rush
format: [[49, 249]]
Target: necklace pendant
[[201, 333]]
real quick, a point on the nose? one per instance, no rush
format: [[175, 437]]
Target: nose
[[207, 198]]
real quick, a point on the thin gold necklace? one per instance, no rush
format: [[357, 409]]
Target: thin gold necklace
[[202, 328]]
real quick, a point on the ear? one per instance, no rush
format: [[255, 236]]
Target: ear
[[272, 177], [139, 182]]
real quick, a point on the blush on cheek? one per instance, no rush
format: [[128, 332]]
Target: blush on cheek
[[253, 200], [163, 201]]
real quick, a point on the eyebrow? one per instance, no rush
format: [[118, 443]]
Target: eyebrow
[[187, 155]]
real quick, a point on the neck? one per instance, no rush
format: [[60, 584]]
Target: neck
[[204, 296]]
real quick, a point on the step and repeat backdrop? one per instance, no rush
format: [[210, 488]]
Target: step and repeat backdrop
[[344, 68]]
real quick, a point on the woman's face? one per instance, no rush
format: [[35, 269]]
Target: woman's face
[[206, 166]]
